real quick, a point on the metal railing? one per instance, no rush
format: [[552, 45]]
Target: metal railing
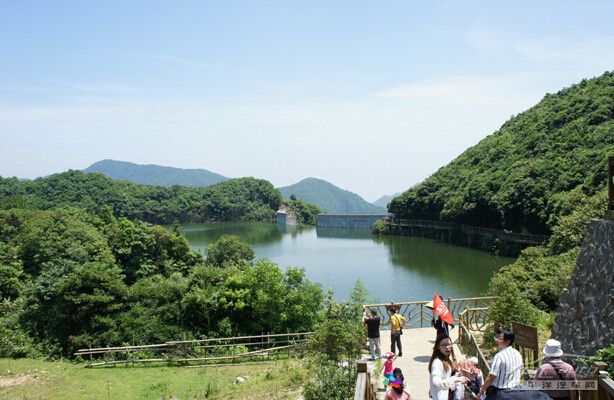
[[473, 319]]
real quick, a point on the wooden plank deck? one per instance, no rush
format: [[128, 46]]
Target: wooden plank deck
[[417, 349]]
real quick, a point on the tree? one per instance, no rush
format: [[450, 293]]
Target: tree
[[335, 347], [61, 235], [229, 250], [70, 305]]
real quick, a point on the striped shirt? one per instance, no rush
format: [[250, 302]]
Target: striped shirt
[[507, 367]]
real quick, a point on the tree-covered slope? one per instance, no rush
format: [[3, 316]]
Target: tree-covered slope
[[519, 177], [242, 199], [329, 197], [155, 174]]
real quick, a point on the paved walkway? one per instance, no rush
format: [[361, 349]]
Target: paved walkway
[[417, 349]]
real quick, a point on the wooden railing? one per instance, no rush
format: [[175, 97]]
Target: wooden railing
[[418, 315], [260, 348], [598, 385], [452, 226], [364, 389]]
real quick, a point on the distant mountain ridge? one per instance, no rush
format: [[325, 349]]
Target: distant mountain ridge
[[330, 198], [155, 174], [384, 200]]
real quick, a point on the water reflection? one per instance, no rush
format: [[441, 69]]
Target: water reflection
[[393, 268], [344, 233], [466, 268], [257, 233]]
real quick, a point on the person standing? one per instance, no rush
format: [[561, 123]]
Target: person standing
[[442, 327], [507, 365], [373, 322], [442, 368], [397, 321], [555, 369]]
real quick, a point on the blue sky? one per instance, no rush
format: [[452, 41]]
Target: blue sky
[[370, 96]]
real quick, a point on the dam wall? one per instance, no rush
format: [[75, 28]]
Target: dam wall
[[347, 220], [284, 218]]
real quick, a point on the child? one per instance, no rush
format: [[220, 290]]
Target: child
[[480, 377], [470, 389], [387, 368], [398, 391]]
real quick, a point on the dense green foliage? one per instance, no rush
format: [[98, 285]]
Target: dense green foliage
[[306, 213], [71, 279], [543, 172], [244, 199], [330, 198], [518, 177], [539, 275], [335, 347], [155, 174], [605, 355]]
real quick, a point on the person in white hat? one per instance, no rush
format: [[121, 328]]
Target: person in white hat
[[555, 373]]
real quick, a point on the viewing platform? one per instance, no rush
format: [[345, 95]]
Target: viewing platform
[[417, 349]]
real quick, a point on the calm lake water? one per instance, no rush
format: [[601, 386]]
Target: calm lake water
[[393, 268]]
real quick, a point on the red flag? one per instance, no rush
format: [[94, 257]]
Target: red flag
[[440, 309]]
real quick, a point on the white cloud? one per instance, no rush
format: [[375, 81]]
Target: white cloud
[[562, 51]]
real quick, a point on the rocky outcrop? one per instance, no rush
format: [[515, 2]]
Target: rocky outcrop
[[585, 319]]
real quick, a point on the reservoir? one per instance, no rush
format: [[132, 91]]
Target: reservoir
[[392, 268]]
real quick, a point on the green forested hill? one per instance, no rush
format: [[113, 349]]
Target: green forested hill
[[155, 174], [519, 177], [242, 199], [329, 197]]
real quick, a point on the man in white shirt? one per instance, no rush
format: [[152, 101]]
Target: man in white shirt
[[507, 365]]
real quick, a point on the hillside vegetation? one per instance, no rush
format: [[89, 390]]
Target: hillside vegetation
[[70, 279], [155, 174], [520, 177], [243, 199], [545, 172], [330, 198]]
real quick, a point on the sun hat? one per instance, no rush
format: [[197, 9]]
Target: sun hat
[[467, 367], [553, 348], [389, 354]]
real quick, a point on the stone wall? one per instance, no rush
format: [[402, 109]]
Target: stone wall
[[347, 220], [585, 319], [284, 218]]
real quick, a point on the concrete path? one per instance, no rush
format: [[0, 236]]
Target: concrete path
[[417, 349]]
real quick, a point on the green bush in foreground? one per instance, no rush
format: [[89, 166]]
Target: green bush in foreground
[[605, 355]]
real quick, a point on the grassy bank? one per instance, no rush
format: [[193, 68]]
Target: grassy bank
[[36, 379]]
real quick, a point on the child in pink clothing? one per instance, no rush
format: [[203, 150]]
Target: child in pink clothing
[[388, 368]]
